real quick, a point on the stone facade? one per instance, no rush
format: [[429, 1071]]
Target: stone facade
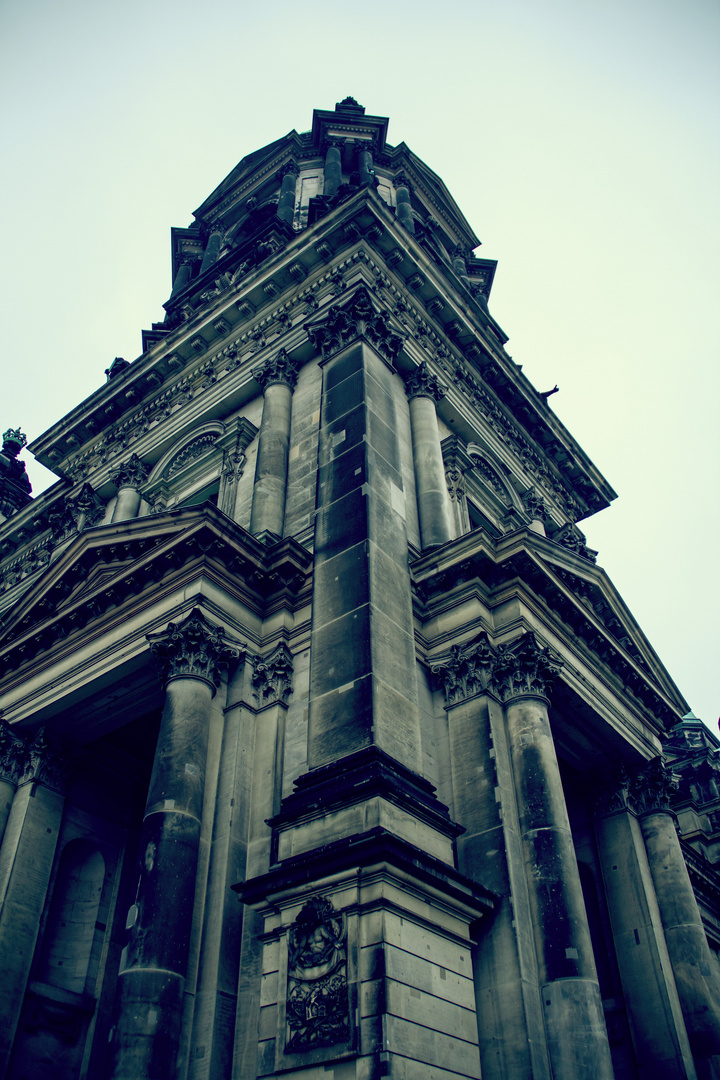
[[327, 746]]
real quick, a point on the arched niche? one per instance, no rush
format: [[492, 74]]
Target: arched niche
[[189, 472], [69, 933]]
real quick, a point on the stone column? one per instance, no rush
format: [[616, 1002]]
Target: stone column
[[26, 861], [423, 390], [574, 1021], [660, 1041], [365, 167], [12, 760], [697, 984], [154, 965], [212, 250], [286, 203], [182, 277], [333, 169], [128, 478], [277, 377], [402, 203]]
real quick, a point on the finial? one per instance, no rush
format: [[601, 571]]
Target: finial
[[349, 103], [13, 441]]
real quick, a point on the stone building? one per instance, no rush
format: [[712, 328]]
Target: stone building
[[328, 748]]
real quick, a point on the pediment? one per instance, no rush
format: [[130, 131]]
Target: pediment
[[108, 566]]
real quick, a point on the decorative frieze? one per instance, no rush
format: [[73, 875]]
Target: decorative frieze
[[272, 676], [318, 1001], [422, 383], [195, 648]]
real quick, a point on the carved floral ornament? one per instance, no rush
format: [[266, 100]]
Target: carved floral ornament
[[195, 648], [39, 758], [422, 383], [318, 1004], [357, 319], [278, 369], [131, 473], [522, 668]]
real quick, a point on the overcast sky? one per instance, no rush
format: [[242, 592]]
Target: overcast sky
[[580, 139]]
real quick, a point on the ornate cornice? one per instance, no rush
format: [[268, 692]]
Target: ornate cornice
[[278, 369], [13, 754], [422, 383], [524, 668], [131, 473], [193, 649], [357, 319], [272, 676]]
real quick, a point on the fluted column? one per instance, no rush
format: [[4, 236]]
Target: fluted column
[[696, 979], [26, 860], [128, 478], [423, 390], [277, 377], [571, 997], [154, 966]]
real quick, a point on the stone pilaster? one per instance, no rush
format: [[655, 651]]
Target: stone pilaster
[[277, 377], [660, 1040], [697, 983], [146, 1037], [423, 390], [12, 761], [522, 675], [26, 861], [128, 479]]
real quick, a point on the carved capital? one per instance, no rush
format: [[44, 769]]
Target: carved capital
[[272, 676], [358, 318], [194, 649], [279, 368], [87, 503], [612, 791], [12, 754], [468, 670], [318, 1001], [47, 762], [524, 668], [422, 383], [652, 788], [132, 473], [534, 505]]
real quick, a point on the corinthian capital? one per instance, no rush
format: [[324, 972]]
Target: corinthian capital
[[277, 369], [272, 676], [468, 670], [131, 473], [47, 761], [12, 754], [652, 789], [193, 649], [422, 383], [524, 668]]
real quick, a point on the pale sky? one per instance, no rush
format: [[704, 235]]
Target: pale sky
[[581, 140]]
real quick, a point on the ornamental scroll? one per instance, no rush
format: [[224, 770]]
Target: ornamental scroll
[[318, 1002]]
